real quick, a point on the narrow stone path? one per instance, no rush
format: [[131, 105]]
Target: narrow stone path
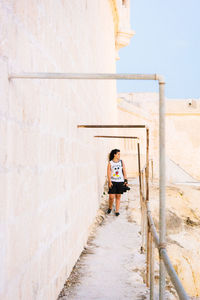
[[111, 267]]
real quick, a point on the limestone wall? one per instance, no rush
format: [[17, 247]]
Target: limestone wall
[[132, 115], [52, 173], [182, 126]]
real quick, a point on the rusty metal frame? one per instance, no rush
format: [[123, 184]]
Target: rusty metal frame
[[143, 199]]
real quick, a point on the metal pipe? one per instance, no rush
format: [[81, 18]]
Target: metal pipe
[[146, 201], [173, 276], [103, 76], [151, 267], [139, 169], [147, 164], [162, 222], [117, 137], [111, 126], [163, 253], [141, 172], [153, 229], [141, 201], [152, 170], [148, 254], [143, 212]]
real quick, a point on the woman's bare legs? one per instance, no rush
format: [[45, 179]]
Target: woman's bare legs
[[111, 199], [117, 200]]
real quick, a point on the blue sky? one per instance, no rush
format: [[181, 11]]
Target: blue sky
[[167, 41]]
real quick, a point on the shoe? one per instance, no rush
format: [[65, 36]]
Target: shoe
[[117, 214], [109, 211]]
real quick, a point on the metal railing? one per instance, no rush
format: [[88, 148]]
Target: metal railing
[[151, 228], [150, 238]]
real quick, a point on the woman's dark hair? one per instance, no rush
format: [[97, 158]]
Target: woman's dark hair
[[112, 153]]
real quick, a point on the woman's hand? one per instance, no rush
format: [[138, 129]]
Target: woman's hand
[[110, 184], [125, 181]]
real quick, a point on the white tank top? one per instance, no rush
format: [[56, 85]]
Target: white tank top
[[116, 171]]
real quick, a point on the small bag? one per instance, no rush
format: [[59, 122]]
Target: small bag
[[125, 188]]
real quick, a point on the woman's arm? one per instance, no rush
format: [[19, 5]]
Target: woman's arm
[[124, 171], [109, 175]]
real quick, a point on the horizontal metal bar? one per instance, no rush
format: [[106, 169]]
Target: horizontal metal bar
[[111, 126], [46, 75], [173, 276], [116, 137]]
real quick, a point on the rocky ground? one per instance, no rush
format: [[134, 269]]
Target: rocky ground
[[183, 231]]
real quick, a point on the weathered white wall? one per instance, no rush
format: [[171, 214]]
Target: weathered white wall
[[183, 123], [182, 127], [52, 173], [131, 115]]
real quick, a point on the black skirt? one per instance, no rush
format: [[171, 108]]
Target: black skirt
[[118, 188]]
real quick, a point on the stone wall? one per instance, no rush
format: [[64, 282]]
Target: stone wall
[[182, 126], [131, 115], [52, 173]]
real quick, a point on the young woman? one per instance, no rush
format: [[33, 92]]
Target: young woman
[[117, 180]]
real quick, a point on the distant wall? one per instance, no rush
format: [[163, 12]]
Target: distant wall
[[132, 115], [52, 173], [183, 123], [182, 131]]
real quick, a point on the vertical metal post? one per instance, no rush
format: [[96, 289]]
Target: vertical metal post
[[146, 200], [151, 267], [162, 226], [147, 164], [143, 212], [152, 171], [139, 168], [141, 200], [147, 254], [142, 184]]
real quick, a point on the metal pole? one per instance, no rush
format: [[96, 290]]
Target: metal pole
[[111, 126], [103, 76], [146, 201], [173, 276], [163, 253], [142, 184], [162, 186], [143, 213], [169, 267], [152, 171], [116, 137], [139, 169], [148, 254], [141, 200], [147, 164], [151, 267]]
